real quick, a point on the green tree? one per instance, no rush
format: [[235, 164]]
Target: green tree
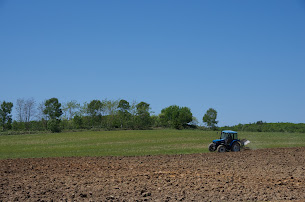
[[110, 120], [133, 115], [123, 113], [5, 115], [185, 116], [143, 119], [52, 108], [110, 107], [78, 122], [94, 108], [123, 106], [53, 111], [210, 118], [175, 116], [54, 125], [156, 122]]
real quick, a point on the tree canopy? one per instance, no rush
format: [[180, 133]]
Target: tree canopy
[[94, 108], [52, 108], [143, 118], [176, 117], [5, 115], [210, 118]]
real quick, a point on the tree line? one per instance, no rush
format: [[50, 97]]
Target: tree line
[[261, 126], [51, 115]]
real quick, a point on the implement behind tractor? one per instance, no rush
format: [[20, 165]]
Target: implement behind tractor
[[228, 142]]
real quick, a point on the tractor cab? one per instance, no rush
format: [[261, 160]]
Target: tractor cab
[[228, 136], [228, 141]]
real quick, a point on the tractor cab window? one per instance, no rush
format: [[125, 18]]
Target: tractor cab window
[[227, 136], [231, 136], [224, 135]]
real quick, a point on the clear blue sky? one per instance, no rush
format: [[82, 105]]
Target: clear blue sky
[[246, 59]]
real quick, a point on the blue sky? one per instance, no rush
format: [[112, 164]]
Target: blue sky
[[246, 59]]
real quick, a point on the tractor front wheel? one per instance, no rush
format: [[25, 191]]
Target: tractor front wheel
[[212, 147], [235, 147], [221, 148]]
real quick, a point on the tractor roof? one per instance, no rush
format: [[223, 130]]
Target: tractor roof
[[229, 131]]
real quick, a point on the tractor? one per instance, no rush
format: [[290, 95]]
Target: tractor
[[228, 141]]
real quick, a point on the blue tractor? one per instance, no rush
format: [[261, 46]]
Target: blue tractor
[[228, 142]]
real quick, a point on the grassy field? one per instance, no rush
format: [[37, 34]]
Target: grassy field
[[131, 143]]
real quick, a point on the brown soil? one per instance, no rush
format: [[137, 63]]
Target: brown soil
[[255, 175]]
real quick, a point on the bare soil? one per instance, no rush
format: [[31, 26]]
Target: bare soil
[[254, 175]]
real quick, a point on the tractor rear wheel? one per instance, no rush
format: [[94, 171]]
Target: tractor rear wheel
[[235, 147], [221, 148], [212, 147]]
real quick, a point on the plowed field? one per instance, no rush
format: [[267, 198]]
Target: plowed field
[[267, 174]]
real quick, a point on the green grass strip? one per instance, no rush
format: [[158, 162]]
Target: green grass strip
[[131, 143]]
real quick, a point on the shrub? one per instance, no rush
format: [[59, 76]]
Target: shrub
[[54, 125]]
